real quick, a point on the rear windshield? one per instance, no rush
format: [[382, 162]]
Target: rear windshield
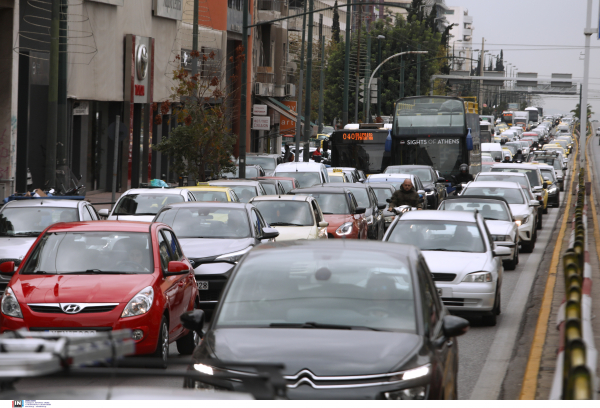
[[511, 195], [219, 196], [305, 179], [331, 203], [145, 204], [532, 175]]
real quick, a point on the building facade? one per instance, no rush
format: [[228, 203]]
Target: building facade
[[461, 38]]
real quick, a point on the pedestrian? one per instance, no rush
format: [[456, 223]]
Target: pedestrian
[[288, 156], [317, 152]]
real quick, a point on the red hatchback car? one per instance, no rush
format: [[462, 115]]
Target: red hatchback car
[[104, 275]]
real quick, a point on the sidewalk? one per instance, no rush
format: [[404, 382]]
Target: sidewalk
[[102, 197]]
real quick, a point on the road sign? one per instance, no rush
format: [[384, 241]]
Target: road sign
[[513, 106]]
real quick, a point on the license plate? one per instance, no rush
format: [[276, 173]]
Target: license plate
[[202, 285], [75, 332]]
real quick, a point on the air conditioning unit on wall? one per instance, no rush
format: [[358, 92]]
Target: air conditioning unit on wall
[[290, 90]]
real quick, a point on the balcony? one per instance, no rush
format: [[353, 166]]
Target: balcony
[[295, 24], [270, 10]]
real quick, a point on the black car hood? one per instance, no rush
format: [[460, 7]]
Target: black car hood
[[323, 352], [205, 247]]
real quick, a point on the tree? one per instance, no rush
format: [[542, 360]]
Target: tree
[[335, 27], [202, 145], [415, 10], [577, 111], [500, 62]]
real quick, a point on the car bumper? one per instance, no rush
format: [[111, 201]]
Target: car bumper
[[105, 321], [468, 296], [526, 231]]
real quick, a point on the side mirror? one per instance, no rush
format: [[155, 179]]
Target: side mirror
[[388, 200], [323, 224], [441, 180], [269, 233], [382, 206], [103, 212], [428, 190], [7, 268], [534, 203], [501, 251], [194, 321], [177, 268], [453, 326], [361, 180], [360, 210], [421, 192], [544, 186]]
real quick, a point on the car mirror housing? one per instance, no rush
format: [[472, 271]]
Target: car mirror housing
[[534, 203], [453, 326], [7, 268], [194, 321], [382, 206], [360, 210], [501, 251], [388, 200], [103, 212], [269, 233], [441, 180], [177, 268], [323, 224]]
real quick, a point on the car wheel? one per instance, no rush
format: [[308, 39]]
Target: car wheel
[[528, 246], [187, 343], [490, 318], [162, 346], [512, 264], [539, 223]]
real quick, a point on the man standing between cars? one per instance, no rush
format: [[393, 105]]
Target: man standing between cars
[[405, 196], [288, 156]]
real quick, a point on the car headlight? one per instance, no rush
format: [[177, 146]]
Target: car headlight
[[344, 229], [234, 256], [500, 238], [522, 221], [478, 277], [552, 190], [140, 303], [415, 393], [10, 305]]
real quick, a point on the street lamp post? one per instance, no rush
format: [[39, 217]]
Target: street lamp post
[[386, 60], [379, 38]]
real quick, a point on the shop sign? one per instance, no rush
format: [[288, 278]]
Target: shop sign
[[261, 123], [81, 108], [172, 9], [259, 110]]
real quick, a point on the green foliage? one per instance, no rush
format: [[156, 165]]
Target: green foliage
[[577, 111]]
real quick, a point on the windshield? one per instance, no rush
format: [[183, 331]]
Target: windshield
[[423, 174], [511, 195], [251, 172], [525, 143], [219, 196], [61, 253], [556, 163], [512, 148], [548, 173], [31, 221], [504, 177], [434, 235], [207, 222], [489, 210], [269, 188], [305, 179], [443, 154], [288, 185], [330, 203], [285, 213], [244, 193], [336, 178], [280, 289], [382, 194], [532, 175], [362, 197], [429, 116], [145, 204], [369, 157], [267, 163]]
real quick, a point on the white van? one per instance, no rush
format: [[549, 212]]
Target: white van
[[518, 129], [495, 149], [306, 173]]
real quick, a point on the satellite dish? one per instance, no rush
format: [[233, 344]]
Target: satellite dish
[[123, 131]]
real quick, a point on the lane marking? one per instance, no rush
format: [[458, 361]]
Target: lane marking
[[529, 387]]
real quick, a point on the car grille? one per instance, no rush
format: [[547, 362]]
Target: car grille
[[215, 287], [443, 277], [56, 309]]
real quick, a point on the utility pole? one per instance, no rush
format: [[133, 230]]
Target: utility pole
[[481, 73], [584, 95], [61, 136], [53, 95], [378, 76], [359, 24], [401, 75], [195, 39], [367, 99], [244, 90], [346, 67], [419, 71], [298, 134], [307, 127], [322, 75]]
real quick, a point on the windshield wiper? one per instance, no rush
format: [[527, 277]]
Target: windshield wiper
[[314, 325], [287, 224], [98, 272], [27, 234], [324, 213]]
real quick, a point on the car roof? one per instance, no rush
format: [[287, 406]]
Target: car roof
[[234, 182], [299, 166], [335, 245], [197, 204], [282, 197], [174, 191], [209, 188], [348, 185], [382, 185], [494, 184], [511, 166], [118, 226], [273, 155], [410, 166], [275, 178], [43, 202], [495, 173], [465, 216], [391, 177], [321, 189], [476, 197]]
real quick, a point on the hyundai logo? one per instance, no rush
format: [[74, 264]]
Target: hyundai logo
[[71, 308]]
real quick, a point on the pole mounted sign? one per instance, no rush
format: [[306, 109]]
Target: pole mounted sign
[[259, 110], [261, 123]]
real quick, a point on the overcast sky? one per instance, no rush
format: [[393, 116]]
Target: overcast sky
[[543, 36]]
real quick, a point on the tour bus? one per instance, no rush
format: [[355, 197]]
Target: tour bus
[[534, 115], [507, 117], [367, 147]]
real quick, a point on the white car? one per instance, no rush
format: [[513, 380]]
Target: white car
[[498, 218], [142, 204], [307, 174], [294, 216], [523, 209], [465, 263]]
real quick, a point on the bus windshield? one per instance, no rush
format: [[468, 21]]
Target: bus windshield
[[362, 149], [443, 154], [429, 116]]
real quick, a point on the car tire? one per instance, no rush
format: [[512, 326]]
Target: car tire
[[491, 318], [512, 264], [539, 222], [187, 343], [162, 345], [528, 246]]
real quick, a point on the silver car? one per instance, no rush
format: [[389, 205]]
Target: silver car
[[22, 221], [142, 204], [498, 218], [464, 262], [523, 209]]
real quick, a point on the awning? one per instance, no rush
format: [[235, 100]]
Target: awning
[[281, 108]]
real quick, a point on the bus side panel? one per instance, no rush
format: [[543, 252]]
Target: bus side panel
[[475, 154]]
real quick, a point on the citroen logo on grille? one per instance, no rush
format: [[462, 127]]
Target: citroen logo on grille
[[71, 308]]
